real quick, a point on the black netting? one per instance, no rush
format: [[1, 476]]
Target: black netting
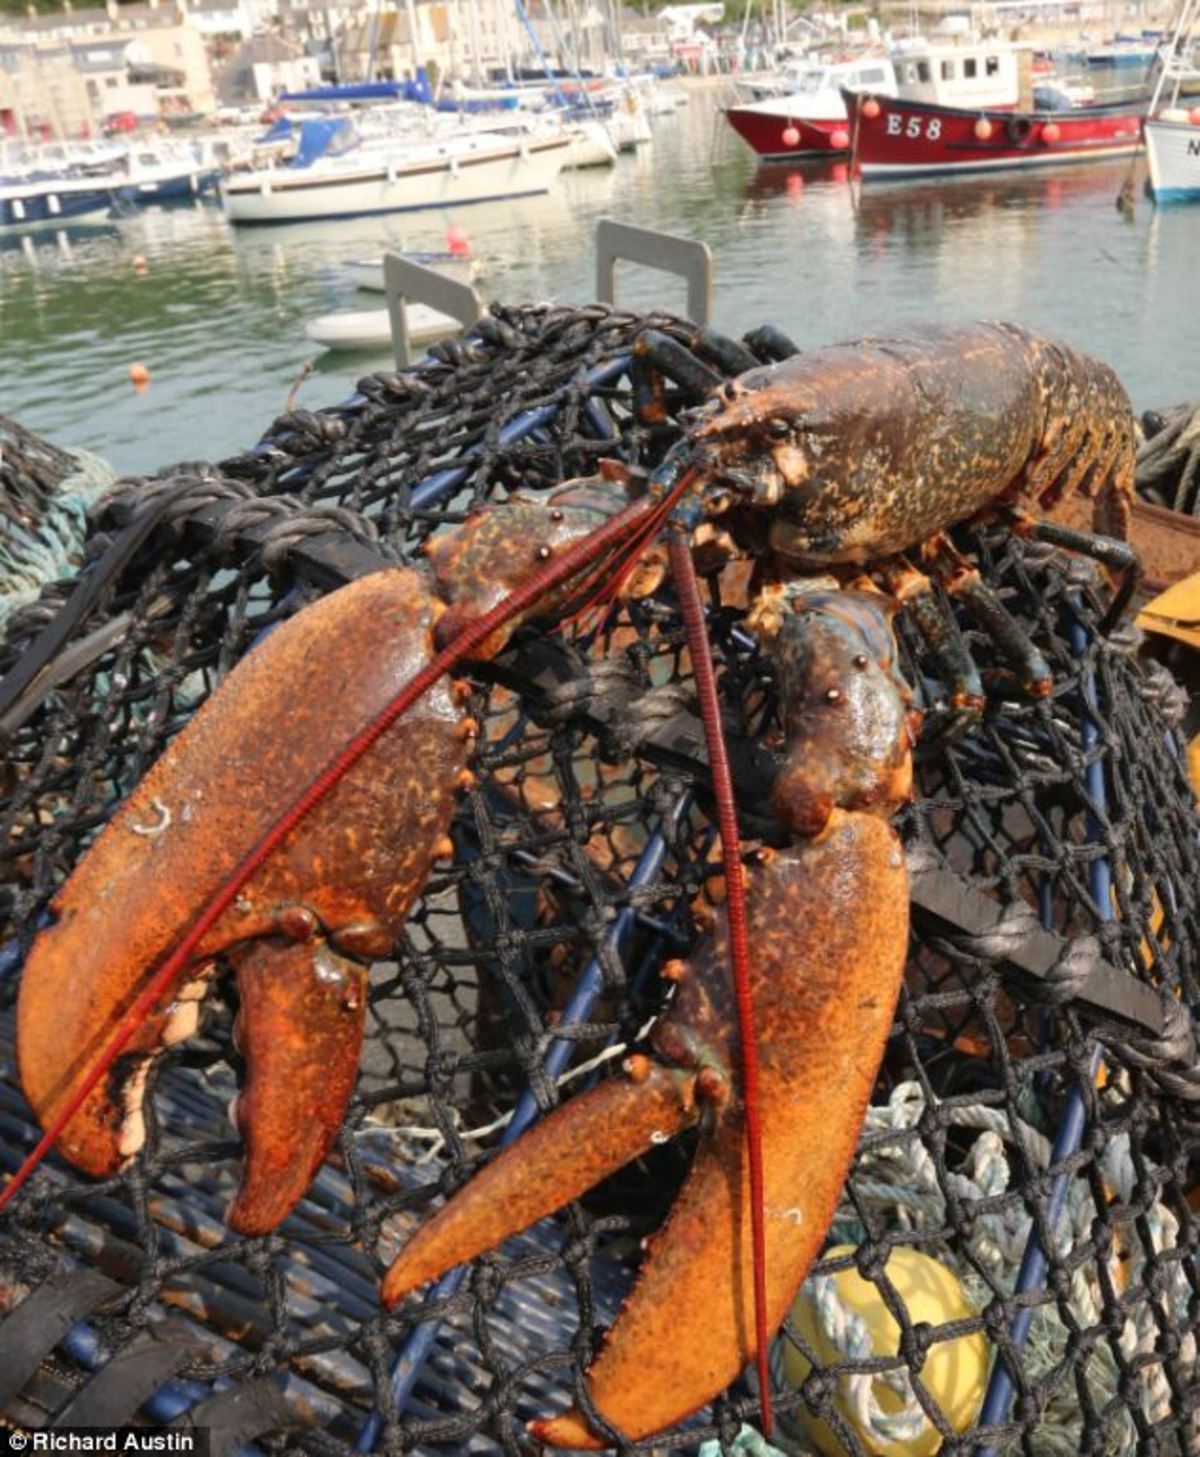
[[1006, 1107]]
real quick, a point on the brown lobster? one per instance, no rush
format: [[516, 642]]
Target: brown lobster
[[823, 1006], [852, 454]]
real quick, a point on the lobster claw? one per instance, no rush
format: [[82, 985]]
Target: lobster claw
[[304, 928], [687, 1328], [301, 1029]]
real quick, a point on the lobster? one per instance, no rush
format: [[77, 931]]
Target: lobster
[[823, 1010], [851, 457]]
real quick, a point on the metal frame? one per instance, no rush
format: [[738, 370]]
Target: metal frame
[[666, 252], [407, 282]]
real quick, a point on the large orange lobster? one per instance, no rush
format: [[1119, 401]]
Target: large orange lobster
[[849, 455]]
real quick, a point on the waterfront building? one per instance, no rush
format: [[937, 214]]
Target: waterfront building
[[66, 74]]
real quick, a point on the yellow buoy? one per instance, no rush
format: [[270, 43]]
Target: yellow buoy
[[954, 1373]]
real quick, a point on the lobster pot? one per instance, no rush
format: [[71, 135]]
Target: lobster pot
[[1029, 1154]]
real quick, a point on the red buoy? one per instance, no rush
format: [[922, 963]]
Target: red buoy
[[791, 137], [839, 140], [1194, 116], [871, 108], [457, 241], [983, 129], [1051, 132]]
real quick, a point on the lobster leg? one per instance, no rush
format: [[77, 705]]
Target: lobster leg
[[301, 1030]]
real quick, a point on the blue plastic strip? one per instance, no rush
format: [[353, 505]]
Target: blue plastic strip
[[416, 1348], [1032, 1274], [443, 482]]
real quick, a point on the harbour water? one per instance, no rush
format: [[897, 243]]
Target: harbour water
[[218, 315]]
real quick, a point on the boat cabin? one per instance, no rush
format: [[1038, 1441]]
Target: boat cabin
[[970, 75], [867, 73]]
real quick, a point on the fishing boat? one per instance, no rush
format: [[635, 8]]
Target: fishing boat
[[893, 137], [809, 118], [334, 175], [813, 118], [1171, 131]]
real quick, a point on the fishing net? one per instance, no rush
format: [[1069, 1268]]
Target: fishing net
[[1023, 1192]]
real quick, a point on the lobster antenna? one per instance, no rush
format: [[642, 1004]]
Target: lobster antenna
[[628, 529], [683, 569]]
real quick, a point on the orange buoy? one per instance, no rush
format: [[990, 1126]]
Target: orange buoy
[[1051, 132], [139, 375], [839, 140], [139, 263], [871, 108], [791, 137], [1194, 116], [983, 129]]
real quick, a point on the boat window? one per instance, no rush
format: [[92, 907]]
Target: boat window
[[923, 71], [947, 70], [969, 68], [993, 65], [910, 73], [873, 77]]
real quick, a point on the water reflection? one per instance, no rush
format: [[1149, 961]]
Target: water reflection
[[218, 316]]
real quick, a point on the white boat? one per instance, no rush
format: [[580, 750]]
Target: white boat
[[629, 124], [363, 329], [334, 176], [592, 145], [367, 273], [1171, 131]]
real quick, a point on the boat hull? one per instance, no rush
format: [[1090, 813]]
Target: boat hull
[[763, 126], [1173, 152], [50, 203], [170, 187], [300, 195], [917, 139]]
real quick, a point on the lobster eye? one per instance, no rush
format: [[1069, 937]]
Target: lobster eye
[[730, 391], [860, 661], [778, 429]]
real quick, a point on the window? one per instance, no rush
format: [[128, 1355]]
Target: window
[[970, 68], [947, 70], [111, 82], [992, 65], [924, 71], [872, 77]]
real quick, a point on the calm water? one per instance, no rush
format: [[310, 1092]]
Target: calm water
[[219, 316]]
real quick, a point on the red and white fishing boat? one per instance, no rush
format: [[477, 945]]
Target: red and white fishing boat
[[894, 137], [809, 117]]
